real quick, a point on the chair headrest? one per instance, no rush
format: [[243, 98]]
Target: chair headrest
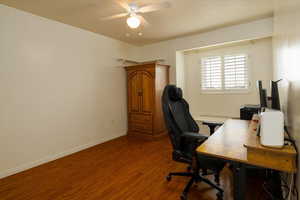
[[175, 93]]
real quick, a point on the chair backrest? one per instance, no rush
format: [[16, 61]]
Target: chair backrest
[[177, 115]]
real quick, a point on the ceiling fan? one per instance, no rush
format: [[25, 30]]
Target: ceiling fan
[[133, 14]]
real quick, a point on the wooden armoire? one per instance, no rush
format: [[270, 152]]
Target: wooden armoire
[[145, 84]]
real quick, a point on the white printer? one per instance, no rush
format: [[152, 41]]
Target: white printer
[[272, 128]]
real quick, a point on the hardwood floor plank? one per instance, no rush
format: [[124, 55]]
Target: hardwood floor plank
[[122, 169]]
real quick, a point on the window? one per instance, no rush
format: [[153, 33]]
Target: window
[[211, 73], [224, 73]]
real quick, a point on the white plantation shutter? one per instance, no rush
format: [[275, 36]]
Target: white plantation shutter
[[224, 73], [211, 73], [235, 72]]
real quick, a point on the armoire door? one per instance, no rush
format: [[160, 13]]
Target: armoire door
[[134, 91], [147, 97]]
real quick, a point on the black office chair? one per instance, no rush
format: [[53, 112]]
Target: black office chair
[[183, 132]]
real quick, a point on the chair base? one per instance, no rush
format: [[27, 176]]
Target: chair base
[[195, 177]]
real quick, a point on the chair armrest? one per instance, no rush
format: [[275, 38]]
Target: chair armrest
[[212, 123], [194, 137], [212, 126]]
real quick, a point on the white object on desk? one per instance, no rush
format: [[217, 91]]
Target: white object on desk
[[272, 129]]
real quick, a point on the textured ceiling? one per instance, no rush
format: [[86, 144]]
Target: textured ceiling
[[184, 17]]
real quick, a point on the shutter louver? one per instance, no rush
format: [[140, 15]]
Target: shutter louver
[[211, 73], [235, 72]]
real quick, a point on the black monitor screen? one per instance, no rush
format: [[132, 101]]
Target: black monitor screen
[[275, 95], [262, 95]]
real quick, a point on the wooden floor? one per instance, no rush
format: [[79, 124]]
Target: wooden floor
[[122, 169]]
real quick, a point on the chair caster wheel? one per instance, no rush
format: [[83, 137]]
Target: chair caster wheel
[[220, 196], [183, 197], [168, 178]]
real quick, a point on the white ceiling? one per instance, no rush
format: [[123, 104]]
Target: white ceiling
[[184, 17]]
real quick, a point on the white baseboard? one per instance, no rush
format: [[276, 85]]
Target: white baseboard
[[49, 158]]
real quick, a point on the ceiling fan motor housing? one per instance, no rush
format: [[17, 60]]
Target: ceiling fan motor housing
[[133, 8]]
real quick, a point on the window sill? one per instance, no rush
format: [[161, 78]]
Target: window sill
[[229, 92]]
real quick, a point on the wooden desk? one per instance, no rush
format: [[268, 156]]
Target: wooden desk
[[213, 119], [228, 143]]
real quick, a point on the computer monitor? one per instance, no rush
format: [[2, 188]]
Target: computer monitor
[[262, 94], [275, 95]]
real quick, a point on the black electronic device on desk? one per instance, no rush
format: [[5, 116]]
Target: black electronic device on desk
[[247, 111]]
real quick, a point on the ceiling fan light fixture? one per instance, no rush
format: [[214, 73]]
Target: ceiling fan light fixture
[[133, 21]]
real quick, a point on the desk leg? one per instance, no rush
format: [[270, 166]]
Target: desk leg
[[239, 174]]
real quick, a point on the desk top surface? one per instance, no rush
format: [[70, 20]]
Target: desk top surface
[[228, 143], [211, 119]]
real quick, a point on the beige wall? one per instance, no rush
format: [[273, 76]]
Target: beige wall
[[61, 90], [287, 61], [167, 49], [260, 68]]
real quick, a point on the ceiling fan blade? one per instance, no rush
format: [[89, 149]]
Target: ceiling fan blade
[[144, 21], [115, 16], [124, 4], [154, 7]]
